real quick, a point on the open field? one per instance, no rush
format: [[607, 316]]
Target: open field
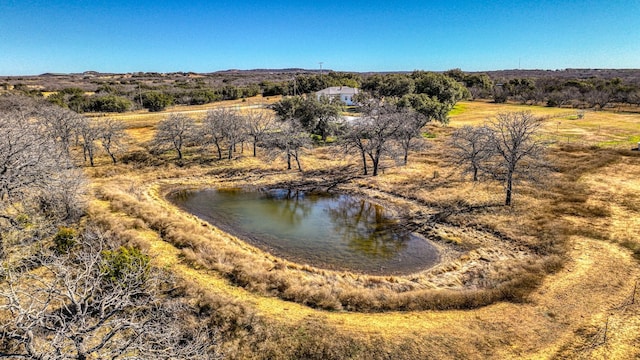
[[580, 228], [601, 128], [139, 124]]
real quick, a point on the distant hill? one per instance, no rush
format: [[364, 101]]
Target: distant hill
[[91, 80], [625, 74]]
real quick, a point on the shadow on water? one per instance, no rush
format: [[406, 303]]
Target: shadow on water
[[339, 232], [366, 228], [290, 206]]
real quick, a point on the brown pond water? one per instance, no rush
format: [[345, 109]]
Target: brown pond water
[[337, 232]]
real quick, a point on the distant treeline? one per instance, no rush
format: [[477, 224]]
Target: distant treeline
[[569, 88]]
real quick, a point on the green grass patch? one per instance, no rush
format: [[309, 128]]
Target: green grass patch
[[428, 135], [578, 116], [631, 140], [458, 109]]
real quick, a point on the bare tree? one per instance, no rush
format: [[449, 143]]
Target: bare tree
[[598, 98], [289, 139], [513, 138], [471, 149], [213, 128], [258, 125], [234, 132], [90, 132], [94, 302], [373, 134], [61, 124], [27, 158], [33, 174], [409, 134], [174, 131], [111, 137], [352, 139]]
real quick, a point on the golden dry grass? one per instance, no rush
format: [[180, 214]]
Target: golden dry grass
[[140, 124], [599, 128], [582, 310]]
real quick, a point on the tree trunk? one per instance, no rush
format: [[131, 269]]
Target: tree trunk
[[90, 153], [375, 160], [507, 200], [254, 147], [364, 163], [475, 173], [113, 157], [298, 161], [288, 160], [219, 151]]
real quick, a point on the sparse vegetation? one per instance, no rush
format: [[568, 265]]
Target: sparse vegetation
[[516, 269]]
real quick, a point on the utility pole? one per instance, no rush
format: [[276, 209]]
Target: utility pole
[[321, 69]]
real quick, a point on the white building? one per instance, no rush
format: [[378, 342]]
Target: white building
[[344, 93]]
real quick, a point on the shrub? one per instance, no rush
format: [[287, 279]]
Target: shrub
[[109, 103], [156, 101], [125, 266], [64, 240]]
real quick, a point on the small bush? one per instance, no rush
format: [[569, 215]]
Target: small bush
[[64, 240], [125, 265]]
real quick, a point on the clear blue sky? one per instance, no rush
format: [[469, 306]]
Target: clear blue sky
[[39, 36]]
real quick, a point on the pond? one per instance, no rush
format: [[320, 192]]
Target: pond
[[330, 231]]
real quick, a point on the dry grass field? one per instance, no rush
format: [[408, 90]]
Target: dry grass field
[[552, 277], [140, 123]]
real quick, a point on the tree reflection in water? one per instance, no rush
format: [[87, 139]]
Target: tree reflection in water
[[292, 205], [367, 229], [325, 230]]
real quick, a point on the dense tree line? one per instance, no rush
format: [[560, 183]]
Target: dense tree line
[[571, 88], [581, 93], [593, 92], [110, 99]]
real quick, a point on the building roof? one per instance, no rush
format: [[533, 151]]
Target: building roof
[[338, 90]]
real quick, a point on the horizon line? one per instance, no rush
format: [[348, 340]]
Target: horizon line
[[293, 69]]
